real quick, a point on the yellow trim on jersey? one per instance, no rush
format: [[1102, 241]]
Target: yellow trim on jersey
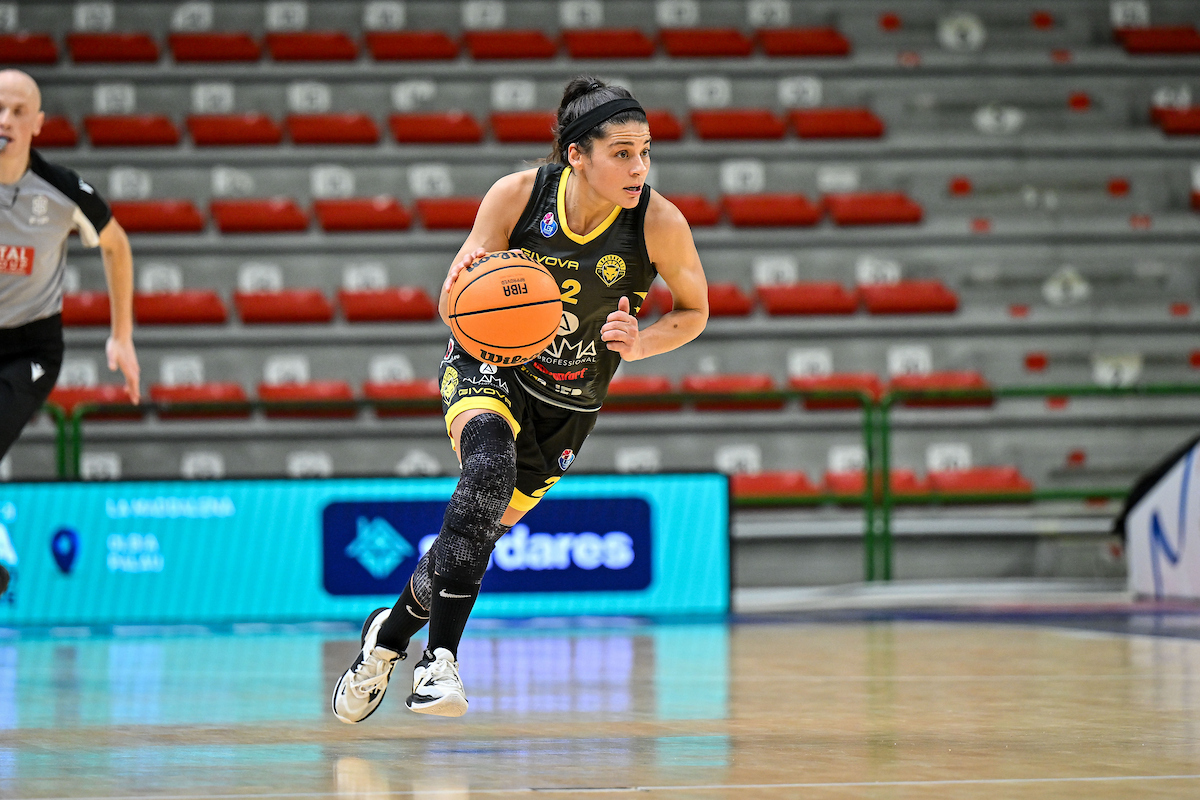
[[523, 502], [562, 214], [485, 404]]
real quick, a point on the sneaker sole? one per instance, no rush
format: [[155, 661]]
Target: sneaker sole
[[452, 705], [338, 689]]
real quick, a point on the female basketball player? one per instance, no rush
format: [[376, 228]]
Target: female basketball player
[[589, 217]]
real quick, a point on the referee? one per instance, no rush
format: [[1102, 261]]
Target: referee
[[40, 205]]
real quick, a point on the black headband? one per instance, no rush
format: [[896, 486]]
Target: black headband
[[576, 128]]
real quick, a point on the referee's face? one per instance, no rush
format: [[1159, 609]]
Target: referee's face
[[20, 113]]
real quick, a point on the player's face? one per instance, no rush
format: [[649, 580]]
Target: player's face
[[619, 163], [20, 115]]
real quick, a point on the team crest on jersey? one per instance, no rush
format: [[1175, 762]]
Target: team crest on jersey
[[565, 459], [449, 384], [611, 269], [549, 226]]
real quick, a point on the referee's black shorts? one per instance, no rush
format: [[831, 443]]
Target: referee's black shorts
[[30, 358]]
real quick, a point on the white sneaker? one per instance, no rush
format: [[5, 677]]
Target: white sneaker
[[361, 688], [436, 686]]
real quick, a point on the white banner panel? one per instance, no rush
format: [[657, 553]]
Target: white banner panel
[[1163, 534]]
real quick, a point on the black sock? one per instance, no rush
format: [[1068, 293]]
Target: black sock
[[451, 605], [407, 617]]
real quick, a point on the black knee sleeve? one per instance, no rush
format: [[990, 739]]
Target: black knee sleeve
[[489, 474]]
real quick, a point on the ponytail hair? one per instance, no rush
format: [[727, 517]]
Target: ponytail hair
[[582, 94]]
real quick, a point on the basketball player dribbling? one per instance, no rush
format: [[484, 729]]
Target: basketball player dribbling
[[589, 217]]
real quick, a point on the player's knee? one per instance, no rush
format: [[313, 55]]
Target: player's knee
[[489, 474]]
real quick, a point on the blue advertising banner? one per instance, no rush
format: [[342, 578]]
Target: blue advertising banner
[[169, 552]]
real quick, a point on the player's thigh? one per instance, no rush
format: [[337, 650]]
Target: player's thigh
[[25, 383], [546, 448]]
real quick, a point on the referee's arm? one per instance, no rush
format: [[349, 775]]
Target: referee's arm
[[118, 272]]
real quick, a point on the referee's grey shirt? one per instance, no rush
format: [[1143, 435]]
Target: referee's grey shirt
[[37, 214]]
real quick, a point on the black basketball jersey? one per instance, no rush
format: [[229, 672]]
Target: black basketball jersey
[[594, 272]]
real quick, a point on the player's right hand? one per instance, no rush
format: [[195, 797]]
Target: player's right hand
[[458, 266]]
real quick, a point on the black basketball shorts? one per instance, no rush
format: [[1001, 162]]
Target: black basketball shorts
[[548, 437], [30, 358]]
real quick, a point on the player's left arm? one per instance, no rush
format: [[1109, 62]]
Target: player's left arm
[[671, 248], [118, 273]]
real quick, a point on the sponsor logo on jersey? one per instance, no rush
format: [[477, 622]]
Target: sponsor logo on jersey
[[580, 350], [449, 350], [486, 380], [573, 375], [610, 269], [449, 384], [41, 204], [86, 187], [549, 226], [16, 260], [549, 261], [36, 370], [487, 369], [565, 459]]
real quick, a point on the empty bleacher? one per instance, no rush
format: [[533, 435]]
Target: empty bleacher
[[879, 190]]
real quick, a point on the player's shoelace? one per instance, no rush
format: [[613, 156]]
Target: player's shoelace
[[439, 671], [371, 675]]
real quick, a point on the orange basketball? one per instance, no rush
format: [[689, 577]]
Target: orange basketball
[[505, 309]]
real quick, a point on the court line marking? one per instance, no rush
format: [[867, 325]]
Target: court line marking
[[457, 792]]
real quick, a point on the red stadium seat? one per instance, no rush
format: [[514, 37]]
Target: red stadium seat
[[909, 297], [131, 130], [311, 46], [738, 123], [967, 380], [233, 129], [980, 480], [111, 47], [56, 132], [362, 214], [608, 43], [271, 215], [86, 308], [347, 128], [225, 393], [214, 46], [731, 384], [1160, 40], [313, 392], [439, 213], [1179, 121], [697, 209], [861, 382], [902, 482], [728, 300], [68, 398], [284, 306], [812, 297], [157, 216], [641, 393], [663, 125], [705, 42], [836, 123], [523, 126], [658, 301], [187, 307], [392, 304], [28, 48], [509, 44], [411, 45], [424, 390], [780, 485], [872, 208], [439, 127], [803, 42], [770, 210]]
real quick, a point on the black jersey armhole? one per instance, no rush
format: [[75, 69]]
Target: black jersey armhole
[[70, 184], [642, 207], [526, 221]]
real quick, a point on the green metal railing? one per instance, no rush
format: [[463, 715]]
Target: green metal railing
[[877, 498]]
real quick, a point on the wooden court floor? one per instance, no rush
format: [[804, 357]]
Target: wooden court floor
[[853, 709]]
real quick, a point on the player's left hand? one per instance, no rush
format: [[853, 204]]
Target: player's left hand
[[122, 356], [620, 332]]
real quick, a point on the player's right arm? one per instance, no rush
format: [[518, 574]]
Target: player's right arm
[[498, 214]]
